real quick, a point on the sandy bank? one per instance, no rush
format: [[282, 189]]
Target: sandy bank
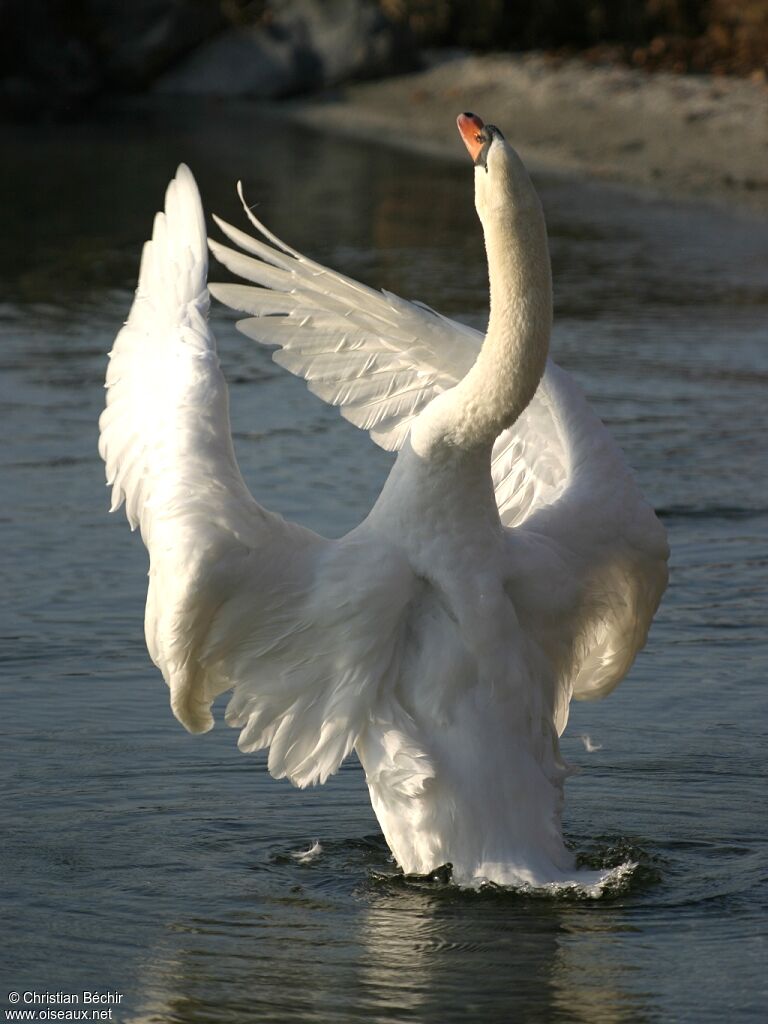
[[699, 137]]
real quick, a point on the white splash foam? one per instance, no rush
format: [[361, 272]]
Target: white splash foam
[[598, 884], [592, 884]]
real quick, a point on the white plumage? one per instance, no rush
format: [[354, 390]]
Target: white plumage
[[508, 565]]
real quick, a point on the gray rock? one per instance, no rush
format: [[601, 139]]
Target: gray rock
[[247, 61], [57, 56], [300, 46]]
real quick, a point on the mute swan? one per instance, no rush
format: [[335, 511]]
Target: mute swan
[[508, 565]]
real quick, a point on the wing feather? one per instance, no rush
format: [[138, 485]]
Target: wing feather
[[238, 598]]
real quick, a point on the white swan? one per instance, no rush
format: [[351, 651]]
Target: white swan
[[508, 565]]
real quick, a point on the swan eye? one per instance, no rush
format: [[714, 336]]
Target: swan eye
[[479, 138]]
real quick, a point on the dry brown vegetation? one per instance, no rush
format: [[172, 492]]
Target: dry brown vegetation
[[717, 36]]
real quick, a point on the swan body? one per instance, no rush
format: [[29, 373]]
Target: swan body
[[508, 565]]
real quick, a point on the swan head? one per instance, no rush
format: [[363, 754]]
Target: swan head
[[501, 180]]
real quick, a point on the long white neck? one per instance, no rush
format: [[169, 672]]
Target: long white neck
[[504, 378]]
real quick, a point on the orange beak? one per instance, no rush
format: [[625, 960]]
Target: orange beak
[[471, 130]]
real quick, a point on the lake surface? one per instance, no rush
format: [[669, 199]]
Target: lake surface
[[141, 860]]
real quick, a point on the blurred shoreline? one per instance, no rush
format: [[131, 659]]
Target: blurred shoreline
[[608, 98], [697, 137]]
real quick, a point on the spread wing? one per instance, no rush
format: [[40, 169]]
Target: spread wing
[[562, 485], [591, 546], [380, 359], [238, 598]]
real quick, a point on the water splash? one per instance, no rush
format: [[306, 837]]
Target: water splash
[[584, 885]]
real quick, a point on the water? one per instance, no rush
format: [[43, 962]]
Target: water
[[138, 859]]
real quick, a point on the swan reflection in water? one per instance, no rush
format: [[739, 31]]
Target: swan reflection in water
[[508, 565], [397, 951]]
